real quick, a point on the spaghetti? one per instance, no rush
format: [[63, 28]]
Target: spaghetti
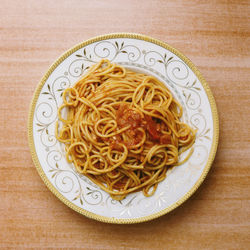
[[123, 129]]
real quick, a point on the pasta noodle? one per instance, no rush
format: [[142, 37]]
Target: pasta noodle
[[123, 129]]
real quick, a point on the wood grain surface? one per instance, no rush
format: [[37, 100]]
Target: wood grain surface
[[213, 34]]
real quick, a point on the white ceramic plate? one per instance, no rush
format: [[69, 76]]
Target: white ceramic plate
[[141, 53]]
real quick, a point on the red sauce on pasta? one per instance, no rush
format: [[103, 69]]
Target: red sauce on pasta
[[126, 116]]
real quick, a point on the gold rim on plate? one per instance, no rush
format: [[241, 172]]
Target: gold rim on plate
[[112, 219]]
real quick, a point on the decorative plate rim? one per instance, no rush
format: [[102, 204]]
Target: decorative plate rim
[[112, 219]]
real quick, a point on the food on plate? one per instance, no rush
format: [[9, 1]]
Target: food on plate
[[122, 129]]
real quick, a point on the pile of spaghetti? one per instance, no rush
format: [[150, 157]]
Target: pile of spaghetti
[[122, 129]]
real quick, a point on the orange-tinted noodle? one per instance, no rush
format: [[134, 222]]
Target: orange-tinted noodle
[[123, 129]]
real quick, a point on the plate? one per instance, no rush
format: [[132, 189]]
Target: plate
[[140, 53]]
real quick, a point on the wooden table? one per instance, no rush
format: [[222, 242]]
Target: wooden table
[[213, 34]]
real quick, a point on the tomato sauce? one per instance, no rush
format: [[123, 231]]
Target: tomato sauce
[[126, 116]]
